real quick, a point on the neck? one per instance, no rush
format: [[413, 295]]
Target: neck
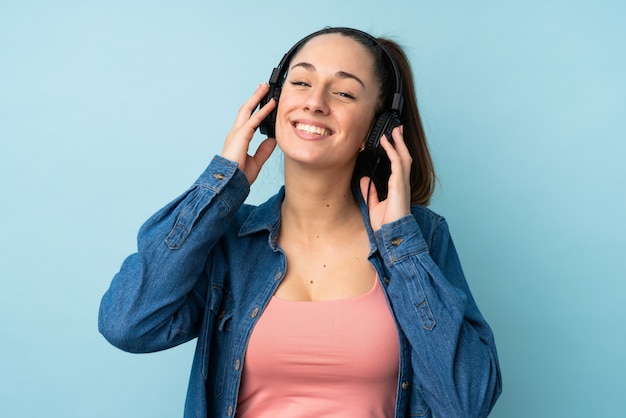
[[318, 201]]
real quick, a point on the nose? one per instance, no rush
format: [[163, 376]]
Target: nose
[[316, 101]]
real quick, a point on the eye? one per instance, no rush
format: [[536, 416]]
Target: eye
[[299, 83], [346, 95]]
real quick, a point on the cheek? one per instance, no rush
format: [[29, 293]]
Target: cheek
[[285, 100], [362, 126], [281, 121]]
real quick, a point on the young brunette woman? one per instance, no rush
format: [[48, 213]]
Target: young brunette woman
[[342, 295]]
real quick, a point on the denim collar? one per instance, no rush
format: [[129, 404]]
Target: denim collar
[[267, 217]]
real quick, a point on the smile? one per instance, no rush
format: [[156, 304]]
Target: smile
[[311, 129]]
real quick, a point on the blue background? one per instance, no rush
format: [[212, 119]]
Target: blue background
[[110, 109]]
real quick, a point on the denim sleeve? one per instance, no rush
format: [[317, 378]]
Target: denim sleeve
[[158, 297], [453, 352]]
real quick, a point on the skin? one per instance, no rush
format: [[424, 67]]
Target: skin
[[325, 110], [331, 91]]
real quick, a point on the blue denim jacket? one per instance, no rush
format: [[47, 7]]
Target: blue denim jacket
[[207, 265]]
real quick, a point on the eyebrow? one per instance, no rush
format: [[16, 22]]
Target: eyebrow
[[340, 74]]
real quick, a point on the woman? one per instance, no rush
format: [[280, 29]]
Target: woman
[[339, 296]]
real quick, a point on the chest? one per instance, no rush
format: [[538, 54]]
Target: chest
[[330, 269]]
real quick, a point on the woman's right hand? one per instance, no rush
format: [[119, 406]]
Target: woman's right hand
[[238, 139]]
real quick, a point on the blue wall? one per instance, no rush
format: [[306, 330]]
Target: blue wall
[[109, 109]]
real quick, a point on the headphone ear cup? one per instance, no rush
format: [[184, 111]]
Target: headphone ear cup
[[385, 123], [268, 126]]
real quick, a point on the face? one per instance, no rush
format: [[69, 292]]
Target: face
[[327, 103]]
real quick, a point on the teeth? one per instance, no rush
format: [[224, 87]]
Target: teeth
[[312, 129]]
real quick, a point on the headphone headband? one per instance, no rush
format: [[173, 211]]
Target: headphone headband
[[279, 72]]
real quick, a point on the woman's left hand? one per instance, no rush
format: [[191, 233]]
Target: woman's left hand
[[398, 201]]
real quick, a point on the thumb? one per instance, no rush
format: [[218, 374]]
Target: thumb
[[369, 189], [254, 164], [264, 151]]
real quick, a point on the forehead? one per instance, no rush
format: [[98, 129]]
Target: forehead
[[336, 52]]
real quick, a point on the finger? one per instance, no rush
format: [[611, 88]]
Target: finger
[[397, 152], [248, 107], [390, 149], [400, 158], [256, 118], [401, 148]]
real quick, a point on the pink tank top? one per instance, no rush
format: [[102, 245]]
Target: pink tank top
[[322, 359]]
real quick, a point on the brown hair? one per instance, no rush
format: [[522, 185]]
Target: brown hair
[[422, 170]]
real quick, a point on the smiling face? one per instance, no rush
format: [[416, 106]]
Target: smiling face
[[327, 103]]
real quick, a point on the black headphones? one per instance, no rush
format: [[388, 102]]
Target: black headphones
[[384, 123]]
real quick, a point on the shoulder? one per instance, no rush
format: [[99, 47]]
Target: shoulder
[[266, 216]]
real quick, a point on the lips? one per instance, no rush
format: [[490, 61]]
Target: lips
[[312, 129]]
